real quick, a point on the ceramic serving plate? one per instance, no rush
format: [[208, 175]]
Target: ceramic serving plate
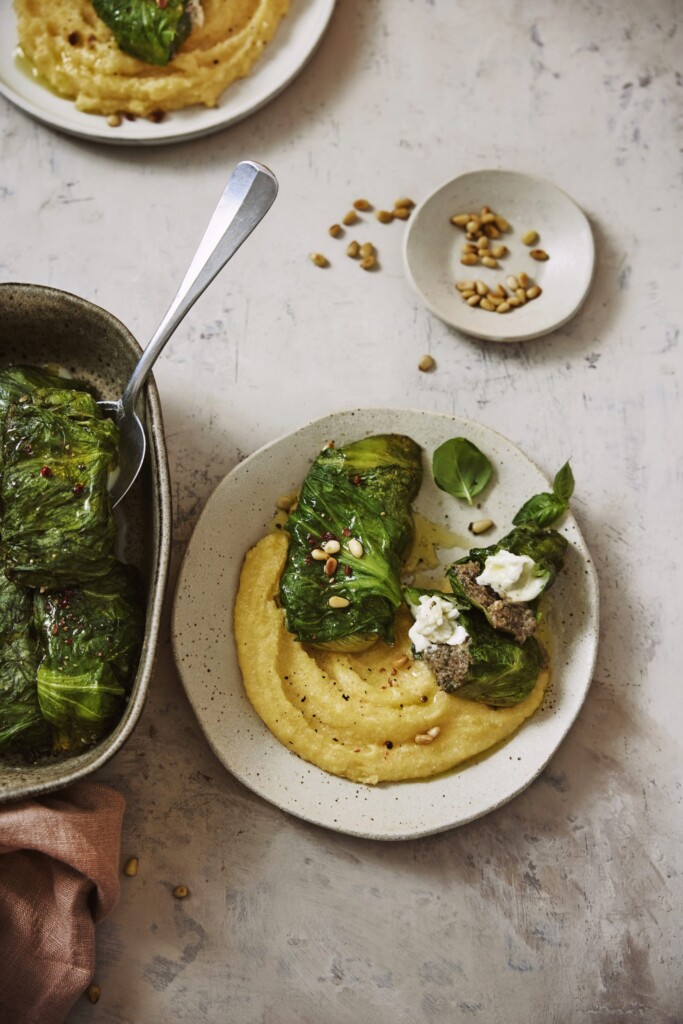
[[294, 43], [433, 250], [241, 510], [42, 325]]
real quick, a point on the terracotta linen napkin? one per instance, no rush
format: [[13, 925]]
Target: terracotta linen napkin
[[59, 876]]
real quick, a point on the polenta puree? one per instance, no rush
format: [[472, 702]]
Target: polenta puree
[[77, 56], [355, 715]]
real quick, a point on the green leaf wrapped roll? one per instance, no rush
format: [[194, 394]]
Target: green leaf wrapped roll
[[17, 381], [22, 726], [90, 637], [145, 29], [58, 526], [486, 665], [356, 498]]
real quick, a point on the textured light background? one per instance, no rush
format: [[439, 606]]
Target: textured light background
[[564, 905]]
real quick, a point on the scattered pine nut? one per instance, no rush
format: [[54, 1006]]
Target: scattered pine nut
[[331, 547], [334, 230], [362, 204], [181, 892], [521, 295], [524, 280], [285, 502], [338, 602], [318, 555], [504, 307], [114, 120], [473, 300], [533, 292], [401, 213], [404, 203], [501, 223], [489, 261], [464, 286], [434, 731], [319, 259], [480, 525], [469, 259], [487, 304], [470, 247], [130, 868], [482, 243], [426, 364], [368, 263], [330, 566], [512, 282], [384, 216], [468, 294], [539, 254], [481, 287], [423, 738], [498, 251], [488, 217], [401, 662], [514, 302], [353, 250], [501, 291], [367, 249], [350, 218], [473, 225], [355, 547], [491, 231], [93, 992], [530, 237], [460, 219]]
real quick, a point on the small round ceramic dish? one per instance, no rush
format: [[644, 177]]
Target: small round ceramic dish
[[433, 251], [241, 511], [295, 41]]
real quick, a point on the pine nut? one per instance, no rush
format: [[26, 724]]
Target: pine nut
[[355, 547], [482, 243], [500, 290], [319, 259], [350, 218], [130, 868], [384, 216], [401, 213], [362, 204], [334, 230], [464, 286], [401, 662], [488, 218], [521, 295], [503, 308], [491, 231], [495, 299], [489, 261], [530, 237], [512, 282], [114, 120], [434, 731], [404, 203], [423, 738], [468, 294], [481, 287], [330, 566], [539, 254], [486, 304], [480, 525], [533, 292], [469, 259], [181, 892], [426, 364], [353, 250], [338, 602], [473, 225], [469, 247], [93, 992], [367, 249], [501, 223], [460, 219], [331, 547], [524, 280], [499, 251], [368, 263], [318, 555], [514, 302], [473, 300], [285, 502]]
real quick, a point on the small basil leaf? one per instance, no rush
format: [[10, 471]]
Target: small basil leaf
[[563, 484], [460, 468], [541, 510]]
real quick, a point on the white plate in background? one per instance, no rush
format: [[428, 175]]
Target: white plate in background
[[240, 512], [432, 253], [295, 40]]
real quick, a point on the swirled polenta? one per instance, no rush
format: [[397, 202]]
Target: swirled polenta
[[77, 56], [355, 715]]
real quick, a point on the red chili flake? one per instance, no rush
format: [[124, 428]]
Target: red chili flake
[[64, 603], [347, 570], [357, 480], [346, 532], [68, 640], [55, 629], [78, 488], [308, 559], [46, 471]]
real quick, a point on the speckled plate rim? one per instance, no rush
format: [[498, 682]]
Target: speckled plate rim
[[240, 511], [293, 45], [509, 328]]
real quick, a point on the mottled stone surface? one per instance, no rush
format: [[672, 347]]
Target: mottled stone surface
[[564, 905]]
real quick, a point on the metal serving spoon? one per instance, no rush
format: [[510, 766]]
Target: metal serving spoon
[[248, 196]]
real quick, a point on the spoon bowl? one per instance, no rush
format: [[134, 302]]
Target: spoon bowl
[[248, 195]]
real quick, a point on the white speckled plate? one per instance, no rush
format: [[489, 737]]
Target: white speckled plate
[[241, 510], [295, 40], [433, 250]]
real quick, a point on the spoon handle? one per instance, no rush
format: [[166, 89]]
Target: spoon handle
[[248, 196]]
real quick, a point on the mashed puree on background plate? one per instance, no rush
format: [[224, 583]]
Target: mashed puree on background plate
[[354, 715], [77, 56]]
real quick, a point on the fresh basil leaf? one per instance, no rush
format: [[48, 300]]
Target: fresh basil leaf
[[461, 469], [144, 29], [563, 484], [543, 509]]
